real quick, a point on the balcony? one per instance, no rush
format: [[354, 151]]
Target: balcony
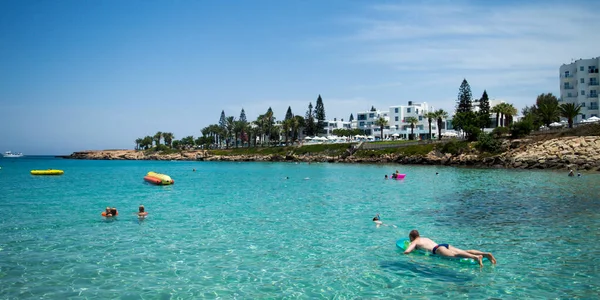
[[592, 83], [566, 76], [593, 71], [568, 87], [593, 96]]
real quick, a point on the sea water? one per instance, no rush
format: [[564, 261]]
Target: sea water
[[287, 230]]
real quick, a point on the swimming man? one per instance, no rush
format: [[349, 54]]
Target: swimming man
[[418, 242]]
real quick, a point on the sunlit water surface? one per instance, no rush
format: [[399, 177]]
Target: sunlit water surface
[[242, 230]]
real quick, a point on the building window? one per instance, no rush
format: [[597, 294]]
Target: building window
[[567, 74], [417, 110], [408, 110], [396, 118], [583, 116], [396, 110], [581, 80], [361, 124], [582, 93], [581, 68], [420, 118], [362, 117], [593, 105], [593, 94], [582, 104], [569, 95]]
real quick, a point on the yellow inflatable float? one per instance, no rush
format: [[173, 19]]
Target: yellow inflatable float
[[47, 172], [158, 179]]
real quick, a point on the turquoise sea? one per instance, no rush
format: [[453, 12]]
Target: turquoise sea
[[244, 231]]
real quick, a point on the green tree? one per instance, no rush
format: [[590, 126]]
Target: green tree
[[465, 98], [168, 138], [157, 138], [351, 118], [269, 120], [297, 125], [176, 144], [309, 121], [187, 142], [569, 111], [147, 142], [286, 126], [497, 110], [547, 108], [320, 115], [242, 117], [229, 133], [381, 122], [412, 121], [484, 111], [464, 118], [440, 115], [430, 117], [138, 141], [222, 124], [289, 115]]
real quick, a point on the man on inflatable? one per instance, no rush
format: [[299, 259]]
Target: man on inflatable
[[416, 241]]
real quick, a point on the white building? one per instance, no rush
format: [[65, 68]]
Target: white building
[[336, 124], [579, 85], [396, 118], [493, 102]]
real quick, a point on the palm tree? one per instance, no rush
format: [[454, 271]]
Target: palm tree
[[430, 117], [147, 142], [138, 141], [569, 111], [381, 122], [229, 126], [286, 126], [412, 121], [509, 111], [440, 115], [548, 112], [496, 110], [297, 124], [168, 138], [157, 138]]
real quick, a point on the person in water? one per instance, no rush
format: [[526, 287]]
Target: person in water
[[418, 242], [386, 177], [142, 212], [571, 173], [107, 212], [377, 220], [113, 211]]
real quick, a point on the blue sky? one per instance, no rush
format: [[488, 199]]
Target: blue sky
[[78, 75]]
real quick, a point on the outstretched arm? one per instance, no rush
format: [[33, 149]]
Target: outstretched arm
[[410, 248]]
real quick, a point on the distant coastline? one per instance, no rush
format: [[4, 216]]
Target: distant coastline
[[578, 153]]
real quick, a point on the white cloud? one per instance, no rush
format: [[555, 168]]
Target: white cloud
[[514, 48]]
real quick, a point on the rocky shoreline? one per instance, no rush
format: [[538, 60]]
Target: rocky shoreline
[[581, 153]]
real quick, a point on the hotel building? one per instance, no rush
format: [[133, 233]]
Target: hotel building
[[579, 85]]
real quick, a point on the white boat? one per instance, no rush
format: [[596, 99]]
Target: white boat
[[10, 154]]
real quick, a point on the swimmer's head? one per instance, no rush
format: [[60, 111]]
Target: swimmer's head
[[413, 235]]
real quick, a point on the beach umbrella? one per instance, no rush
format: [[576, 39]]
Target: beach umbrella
[[593, 119], [556, 124]]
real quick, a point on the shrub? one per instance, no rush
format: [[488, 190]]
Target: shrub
[[487, 143], [500, 131], [472, 132], [454, 147], [521, 128]]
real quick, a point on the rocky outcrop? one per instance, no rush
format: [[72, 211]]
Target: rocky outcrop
[[582, 153]]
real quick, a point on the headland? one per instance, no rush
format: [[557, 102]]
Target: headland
[[571, 152]]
